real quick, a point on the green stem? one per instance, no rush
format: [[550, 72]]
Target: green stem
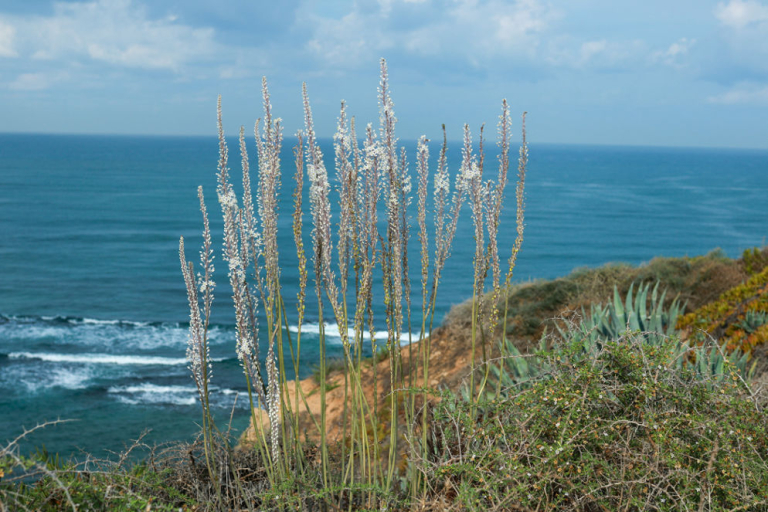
[[503, 339], [323, 437], [472, 354], [258, 428], [295, 358]]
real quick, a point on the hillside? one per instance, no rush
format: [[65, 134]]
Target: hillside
[[532, 308]]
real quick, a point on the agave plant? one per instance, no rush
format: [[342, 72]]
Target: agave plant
[[753, 320], [711, 362], [619, 320], [519, 370], [633, 314]]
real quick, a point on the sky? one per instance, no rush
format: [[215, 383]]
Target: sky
[[628, 72]]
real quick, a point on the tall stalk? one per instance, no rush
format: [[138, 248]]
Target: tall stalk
[[321, 238], [472, 173], [298, 224], [198, 353], [522, 165]]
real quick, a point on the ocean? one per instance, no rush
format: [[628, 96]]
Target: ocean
[[93, 308]]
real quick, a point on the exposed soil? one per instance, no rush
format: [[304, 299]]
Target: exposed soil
[[448, 368]]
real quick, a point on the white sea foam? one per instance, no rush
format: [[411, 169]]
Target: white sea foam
[[37, 332], [81, 321], [99, 358], [332, 331], [152, 388], [34, 381], [93, 321], [154, 394], [148, 394], [104, 333], [67, 379], [155, 399]]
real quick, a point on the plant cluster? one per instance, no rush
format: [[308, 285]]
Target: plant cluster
[[627, 428], [649, 322], [653, 320], [43, 481], [754, 260], [739, 318], [374, 181]]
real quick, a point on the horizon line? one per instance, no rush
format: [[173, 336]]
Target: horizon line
[[545, 143]]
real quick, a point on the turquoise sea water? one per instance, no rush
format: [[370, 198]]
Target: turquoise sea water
[[93, 307]]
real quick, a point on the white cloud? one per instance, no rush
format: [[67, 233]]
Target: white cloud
[[676, 50], [745, 42], [515, 25], [483, 34], [117, 32], [349, 40], [7, 35], [608, 54], [598, 54], [680, 48], [470, 30], [741, 13], [742, 95], [590, 49], [31, 82]]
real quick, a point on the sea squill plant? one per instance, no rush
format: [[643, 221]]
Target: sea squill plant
[[493, 218], [473, 183], [200, 297], [371, 173], [486, 201]]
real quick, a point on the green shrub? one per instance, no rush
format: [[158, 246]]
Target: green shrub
[[43, 482], [627, 429], [755, 260]]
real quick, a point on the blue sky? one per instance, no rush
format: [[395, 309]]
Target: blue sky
[[651, 72]]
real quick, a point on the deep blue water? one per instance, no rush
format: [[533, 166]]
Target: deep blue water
[[93, 307]]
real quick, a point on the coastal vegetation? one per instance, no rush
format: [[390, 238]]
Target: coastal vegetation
[[739, 316], [596, 391], [713, 453]]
